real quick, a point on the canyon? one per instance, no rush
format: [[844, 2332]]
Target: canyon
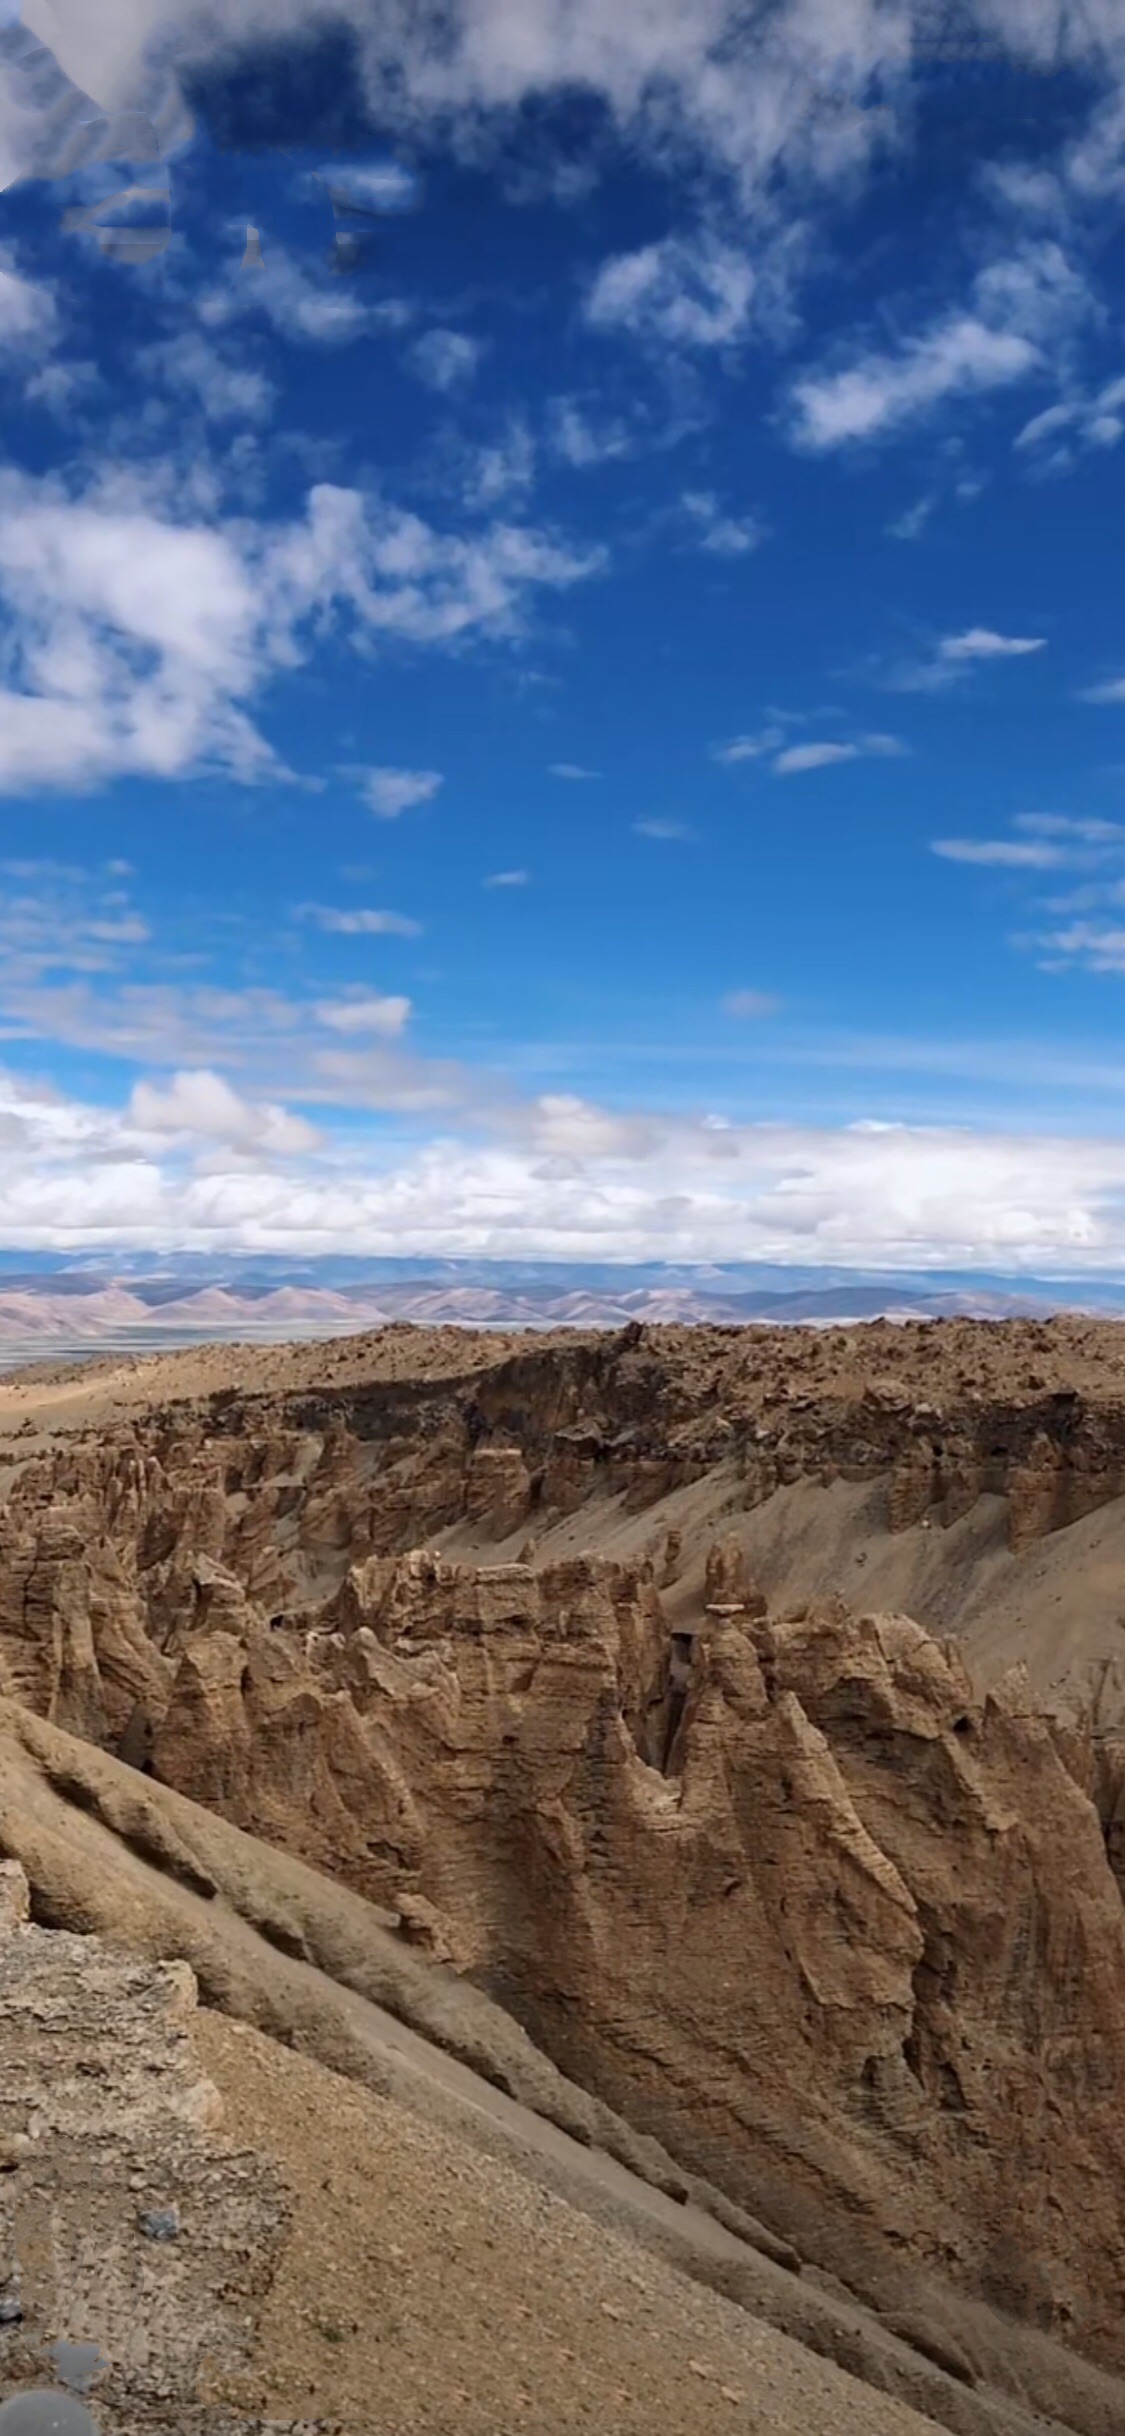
[[738, 1714]]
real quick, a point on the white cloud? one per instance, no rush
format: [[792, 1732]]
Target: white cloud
[[1075, 832], [390, 792], [361, 921], [204, 1104], [798, 757], [880, 392], [1111, 690], [28, 315], [303, 306], [957, 655], [823, 756], [981, 643], [508, 879], [191, 365], [568, 1180], [1007, 853], [669, 832], [446, 359], [914, 519], [750, 1005], [1098, 946], [378, 186], [135, 632], [364, 1013], [1023, 307], [726, 536], [502, 469], [748, 748], [582, 439], [570, 769], [1080, 422], [678, 293]]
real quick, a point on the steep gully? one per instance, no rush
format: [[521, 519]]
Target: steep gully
[[788, 1891]]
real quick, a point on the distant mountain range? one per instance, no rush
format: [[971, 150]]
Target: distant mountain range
[[52, 1309]]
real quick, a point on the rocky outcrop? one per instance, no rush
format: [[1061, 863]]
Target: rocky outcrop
[[135, 2243], [784, 1890]]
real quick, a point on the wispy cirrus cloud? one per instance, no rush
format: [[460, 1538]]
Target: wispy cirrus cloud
[[1109, 690], [750, 1006], [1000, 853], [1043, 841], [790, 760], [955, 657], [360, 922], [825, 754], [983, 643], [1073, 427], [723, 535]]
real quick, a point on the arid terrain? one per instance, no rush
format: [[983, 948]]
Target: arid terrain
[[644, 1814]]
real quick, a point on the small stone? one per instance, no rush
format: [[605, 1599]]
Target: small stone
[[609, 2311], [699, 2368], [13, 2151], [731, 2393], [161, 2224], [11, 2309]]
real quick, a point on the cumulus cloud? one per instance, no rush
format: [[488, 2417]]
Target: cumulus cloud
[[192, 366], [508, 879], [807, 87], [303, 305], [135, 634], [389, 792], [568, 1180], [205, 1105], [446, 359], [679, 293]]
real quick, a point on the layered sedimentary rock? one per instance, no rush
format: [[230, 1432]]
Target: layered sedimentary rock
[[785, 1890]]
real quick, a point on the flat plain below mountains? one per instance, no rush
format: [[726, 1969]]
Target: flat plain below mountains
[[680, 1769]]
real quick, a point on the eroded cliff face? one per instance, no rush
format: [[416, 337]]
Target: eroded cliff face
[[791, 1895], [785, 1890]]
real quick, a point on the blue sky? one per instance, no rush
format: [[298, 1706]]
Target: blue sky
[[563, 673]]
